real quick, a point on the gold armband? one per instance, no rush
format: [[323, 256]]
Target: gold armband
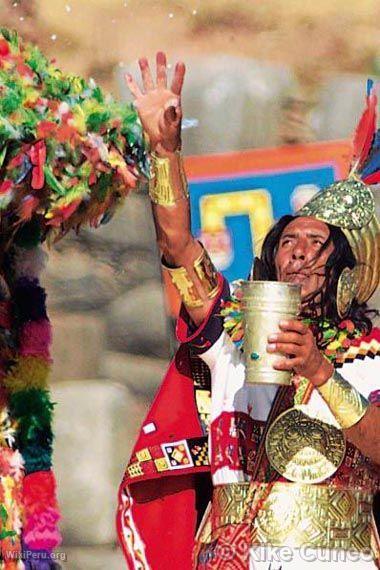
[[345, 402], [194, 294], [162, 191]]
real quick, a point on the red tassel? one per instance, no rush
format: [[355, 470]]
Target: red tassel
[[372, 178], [365, 131]]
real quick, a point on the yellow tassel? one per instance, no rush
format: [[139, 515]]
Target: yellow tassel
[[27, 373]]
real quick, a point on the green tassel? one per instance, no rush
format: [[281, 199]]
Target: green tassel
[[32, 409], [32, 403]]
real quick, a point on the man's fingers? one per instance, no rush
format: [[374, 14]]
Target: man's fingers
[[287, 363], [161, 69], [146, 74], [132, 86], [294, 325], [293, 337], [179, 76], [284, 348]]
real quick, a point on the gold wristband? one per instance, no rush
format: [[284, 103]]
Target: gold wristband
[[194, 294], [162, 191], [345, 402]]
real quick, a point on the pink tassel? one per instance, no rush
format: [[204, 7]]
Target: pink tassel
[[40, 531], [35, 339]]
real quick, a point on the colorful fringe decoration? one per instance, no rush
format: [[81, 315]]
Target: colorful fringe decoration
[[11, 509], [233, 315], [41, 512], [335, 340], [69, 152], [28, 505]]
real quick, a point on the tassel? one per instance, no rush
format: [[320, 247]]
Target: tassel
[[370, 172], [365, 131]]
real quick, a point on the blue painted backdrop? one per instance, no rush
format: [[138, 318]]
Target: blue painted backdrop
[[280, 186]]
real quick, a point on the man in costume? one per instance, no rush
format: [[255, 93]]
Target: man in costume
[[288, 473]]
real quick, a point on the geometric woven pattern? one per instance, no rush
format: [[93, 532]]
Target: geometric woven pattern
[[316, 516], [369, 348], [186, 454], [298, 515], [201, 376]]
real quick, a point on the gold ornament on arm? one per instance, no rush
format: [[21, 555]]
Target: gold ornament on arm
[[162, 189], [345, 402], [194, 292]]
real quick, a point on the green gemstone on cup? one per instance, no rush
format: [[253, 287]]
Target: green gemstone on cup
[[255, 356]]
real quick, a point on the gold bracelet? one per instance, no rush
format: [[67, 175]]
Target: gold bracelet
[[162, 191], [193, 295], [345, 402]]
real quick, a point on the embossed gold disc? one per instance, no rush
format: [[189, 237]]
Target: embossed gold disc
[[303, 446]]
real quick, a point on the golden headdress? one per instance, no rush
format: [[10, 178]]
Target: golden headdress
[[350, 205]]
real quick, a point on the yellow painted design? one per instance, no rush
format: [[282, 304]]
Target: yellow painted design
[[161, 464], [256, 204], [134, 470], [143, 455], [28, 372]]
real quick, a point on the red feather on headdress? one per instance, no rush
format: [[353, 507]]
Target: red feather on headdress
[[365, 131]]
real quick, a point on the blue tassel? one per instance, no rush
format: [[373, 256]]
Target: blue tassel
[[369, 86], [372, 163]]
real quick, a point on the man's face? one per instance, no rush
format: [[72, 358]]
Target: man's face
[[298, 258]]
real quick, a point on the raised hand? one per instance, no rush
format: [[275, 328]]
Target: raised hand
[[159, 106]]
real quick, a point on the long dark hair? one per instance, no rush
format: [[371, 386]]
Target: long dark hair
[[321, 303]]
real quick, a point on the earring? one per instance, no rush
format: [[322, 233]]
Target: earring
[[346, 290]]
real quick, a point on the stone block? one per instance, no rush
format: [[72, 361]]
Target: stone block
[[137, 322], [77, 281], [93, 558], [86, 275], [78, 343], [96, 423], [141, 374], [132, 225]]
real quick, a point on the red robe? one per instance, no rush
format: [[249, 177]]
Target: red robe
[[163, 493]]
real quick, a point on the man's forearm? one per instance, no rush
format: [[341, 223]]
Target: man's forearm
[[171, 209], [183, 257]]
